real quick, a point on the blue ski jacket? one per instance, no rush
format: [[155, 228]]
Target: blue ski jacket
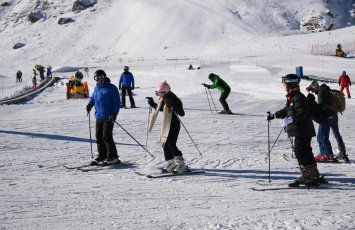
[[106, 100], [126, 80]]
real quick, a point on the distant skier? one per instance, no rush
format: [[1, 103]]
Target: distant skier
[[18, 76], [126, 83], [297, 118], [344, 83], [106, 100], [220, 84], [41, 71], [34, 82], [171, 106], [49, 72], [339, 52]]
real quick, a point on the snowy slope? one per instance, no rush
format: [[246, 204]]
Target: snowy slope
[[41, 136]]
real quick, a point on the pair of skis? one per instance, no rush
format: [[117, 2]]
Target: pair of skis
[[171, 174], [94, 167]]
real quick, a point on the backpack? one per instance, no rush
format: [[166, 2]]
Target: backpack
[[337, 101]]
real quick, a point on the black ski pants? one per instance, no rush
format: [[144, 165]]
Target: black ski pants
[[223, 99], [170, 148], [105, 144], [303, 151], [129, 91]]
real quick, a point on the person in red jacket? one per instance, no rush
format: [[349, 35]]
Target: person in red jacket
[[344, 82]]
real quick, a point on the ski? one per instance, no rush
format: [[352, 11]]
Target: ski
[[166, 174], [93, 167], [322, 186]]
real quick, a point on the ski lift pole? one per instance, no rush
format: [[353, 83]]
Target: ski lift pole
[[213, 101], [188, 133], [208, 99], [134, 139], [268, 147], [92, 154]]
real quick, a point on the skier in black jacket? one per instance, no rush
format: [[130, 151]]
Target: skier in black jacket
[[298, 122]]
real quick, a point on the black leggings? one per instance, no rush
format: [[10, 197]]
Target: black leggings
[[170, 149]]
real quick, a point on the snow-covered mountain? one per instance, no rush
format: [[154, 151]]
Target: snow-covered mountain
[[112, 31], [249, 43]]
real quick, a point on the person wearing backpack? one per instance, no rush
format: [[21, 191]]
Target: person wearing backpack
[[327, 119], [344, 83]]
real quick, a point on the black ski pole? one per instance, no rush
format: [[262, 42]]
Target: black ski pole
[[268, 146], [213, 101], [92, 154], [270, 149], [188, 134], [134, 139], [292, 146], [208, 99]]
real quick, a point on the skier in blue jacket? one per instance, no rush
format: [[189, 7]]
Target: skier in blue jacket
[[106, 100], [126, 83]]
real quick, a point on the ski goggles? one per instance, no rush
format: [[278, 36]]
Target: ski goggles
[[99, 77], [160, 94]]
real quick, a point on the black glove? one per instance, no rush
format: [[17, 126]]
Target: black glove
[[112, 118], [88, 108], [150, 99], [270, 116], [207, 86], [132, 88], [311, 97]]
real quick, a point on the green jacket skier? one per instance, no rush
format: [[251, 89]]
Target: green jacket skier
[[222, 86]]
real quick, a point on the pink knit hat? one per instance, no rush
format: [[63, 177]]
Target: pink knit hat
[[162, 87]]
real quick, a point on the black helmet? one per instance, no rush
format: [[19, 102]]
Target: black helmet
[[79, 76], [339, 46], [99, 74], [211, 76], [126, 68], [291, 80]]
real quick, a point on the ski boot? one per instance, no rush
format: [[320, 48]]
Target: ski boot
[[310, 177], [180, 165], [342, 156], [111, 161], [169, 167], [98, 160]]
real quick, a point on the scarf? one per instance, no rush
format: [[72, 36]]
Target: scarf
[[165, 126]]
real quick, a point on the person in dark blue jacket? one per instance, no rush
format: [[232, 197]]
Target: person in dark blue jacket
[[106, 100], [126, 83]]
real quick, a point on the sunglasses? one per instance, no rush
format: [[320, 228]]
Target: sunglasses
[[160, 94]]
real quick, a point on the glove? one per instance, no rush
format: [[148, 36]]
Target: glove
[[207, 86], [150, 99], [132, 88], [112, 118], [88, 108], [270, 116], [288, 120], [311, 97]]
